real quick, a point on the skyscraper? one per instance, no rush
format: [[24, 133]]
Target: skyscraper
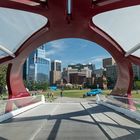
[[78, 73], [37, 66], [108, 62], [55, 74]]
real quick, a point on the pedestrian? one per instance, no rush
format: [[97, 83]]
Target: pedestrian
[[52, 94], [61, 93], [48, 94]]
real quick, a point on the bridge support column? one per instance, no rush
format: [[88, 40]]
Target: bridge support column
[[124, 79], [15, 83]]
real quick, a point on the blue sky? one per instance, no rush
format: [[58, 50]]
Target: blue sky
[[73, 51]]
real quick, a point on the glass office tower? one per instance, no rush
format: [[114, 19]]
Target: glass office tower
[[37, 66]]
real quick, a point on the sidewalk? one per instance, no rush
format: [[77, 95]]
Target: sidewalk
[[114, 125], [73, 100]]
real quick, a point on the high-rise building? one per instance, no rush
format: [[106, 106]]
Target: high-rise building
[[55, 73], [98, 72], [77, 78], [112, 70], [111, 74], [136, 71], [77, 74], [108, 62], [37, 66], [82, 66]]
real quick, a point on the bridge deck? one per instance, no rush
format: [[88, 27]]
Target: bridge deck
[[69, 121]]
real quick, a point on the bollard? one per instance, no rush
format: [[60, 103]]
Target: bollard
[[97, 99]]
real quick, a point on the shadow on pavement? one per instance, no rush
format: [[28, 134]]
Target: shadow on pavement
[[3, 138], [134, 132]]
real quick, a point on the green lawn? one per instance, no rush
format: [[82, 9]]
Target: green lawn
[[70, 93], [77, 93], [136, 94], [138, 107]]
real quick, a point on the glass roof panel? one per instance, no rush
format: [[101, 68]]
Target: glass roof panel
[[136, 53], [123, 25], [17, 26], [3, 54]]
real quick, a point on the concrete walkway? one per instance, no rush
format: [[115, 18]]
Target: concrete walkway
[[115, 125], [70, 121], [74, 100]]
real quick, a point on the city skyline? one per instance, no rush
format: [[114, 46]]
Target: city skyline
[[76, 50]]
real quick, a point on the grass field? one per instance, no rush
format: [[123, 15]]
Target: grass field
[[72, 93], [138, 107], [79, 93], [136, 94]]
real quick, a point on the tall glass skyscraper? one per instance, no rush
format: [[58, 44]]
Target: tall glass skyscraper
[[55, 74], [37, 66]]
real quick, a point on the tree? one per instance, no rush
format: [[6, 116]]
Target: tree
[[136, 84], [32, 85], [3, 71], [110, 83]]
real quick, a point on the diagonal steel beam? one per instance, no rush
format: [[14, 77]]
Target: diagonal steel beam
[[132, 50], [7, 51]]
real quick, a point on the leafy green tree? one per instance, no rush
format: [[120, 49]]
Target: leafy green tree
[[31, 85], [137, 84], [3, 71], [110, 83]]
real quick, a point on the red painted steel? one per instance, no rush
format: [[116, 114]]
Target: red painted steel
[[77, 25]]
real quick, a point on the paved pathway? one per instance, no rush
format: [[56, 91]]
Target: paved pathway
[[70, 121], [74, 100]]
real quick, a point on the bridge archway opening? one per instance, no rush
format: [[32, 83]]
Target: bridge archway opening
[[72, 51], [81, 25]]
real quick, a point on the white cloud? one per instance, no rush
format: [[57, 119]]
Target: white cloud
[[51, 52], [55, 47], [94, 59], [84, 46], [97, 60]]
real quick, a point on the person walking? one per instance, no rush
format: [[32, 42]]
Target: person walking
[[52, 94], [61, 93]]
